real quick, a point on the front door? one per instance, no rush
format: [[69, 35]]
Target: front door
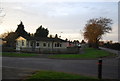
[[33, 45]]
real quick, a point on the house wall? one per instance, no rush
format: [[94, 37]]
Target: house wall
[[21, 43], [47, 44], [42, 47]]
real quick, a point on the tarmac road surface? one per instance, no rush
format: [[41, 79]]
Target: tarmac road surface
[[83, 67]]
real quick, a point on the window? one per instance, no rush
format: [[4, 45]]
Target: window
[[44, 44], [31, 44], [37, 44], [58, 45], [55, 45], [22, 42]]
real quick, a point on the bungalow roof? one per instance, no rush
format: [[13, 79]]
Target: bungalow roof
[[44, 39]]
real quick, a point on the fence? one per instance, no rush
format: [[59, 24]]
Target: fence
[[69, 50]]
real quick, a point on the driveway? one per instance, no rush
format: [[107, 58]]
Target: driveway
[[83, 67]]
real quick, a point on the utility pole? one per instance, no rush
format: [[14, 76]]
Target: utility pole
[[100, 68]]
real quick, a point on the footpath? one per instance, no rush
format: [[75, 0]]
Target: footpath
[[112, 51], [15, 74]]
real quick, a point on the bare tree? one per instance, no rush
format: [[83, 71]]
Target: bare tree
[[5, 34], [2, 14]]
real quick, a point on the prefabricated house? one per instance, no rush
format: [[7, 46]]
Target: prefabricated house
[[41, 45]]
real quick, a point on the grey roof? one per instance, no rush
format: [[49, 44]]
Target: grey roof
[[44, 39]]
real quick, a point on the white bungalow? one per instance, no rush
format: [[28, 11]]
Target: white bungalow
[[41, 45]]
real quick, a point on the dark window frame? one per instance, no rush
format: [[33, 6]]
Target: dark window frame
[[23, 43], [58, 44], [44, 44], [31, 43], [55, 45], [37, 44]]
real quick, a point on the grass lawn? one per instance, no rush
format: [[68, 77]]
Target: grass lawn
[[89, 53], [55, 75], [15, 54]]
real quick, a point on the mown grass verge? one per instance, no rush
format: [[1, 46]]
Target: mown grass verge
[[15, 54], [89, 53], [47, 75]]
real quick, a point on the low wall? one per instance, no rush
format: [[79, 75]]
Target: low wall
[[8, 49], [70, 50]]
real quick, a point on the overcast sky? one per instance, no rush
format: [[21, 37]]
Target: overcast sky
[[66, 16]]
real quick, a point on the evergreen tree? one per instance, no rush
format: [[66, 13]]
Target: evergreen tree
[[82, 42], [56, 36], [10, 38], [66, 39], [51, 36], [41, 32], [21, 31]]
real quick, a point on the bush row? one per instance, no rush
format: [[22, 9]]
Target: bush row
[[115, 46]]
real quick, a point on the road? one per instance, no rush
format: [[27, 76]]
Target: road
[[83, 67]]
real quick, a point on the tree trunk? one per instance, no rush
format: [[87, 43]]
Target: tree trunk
[[96, 45]]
